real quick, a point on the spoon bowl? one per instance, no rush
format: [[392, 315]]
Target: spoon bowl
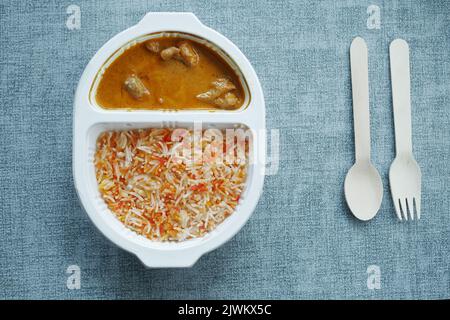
[[363, 190]]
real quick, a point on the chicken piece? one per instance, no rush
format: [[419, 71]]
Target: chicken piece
[[220, 86], [135, 87], [171, 53], [189, 55], [152, 46], [228, 101], [184, 53]]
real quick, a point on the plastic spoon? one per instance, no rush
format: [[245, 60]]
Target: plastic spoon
[[363, 186]]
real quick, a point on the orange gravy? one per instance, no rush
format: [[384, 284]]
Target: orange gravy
[[172, 84]]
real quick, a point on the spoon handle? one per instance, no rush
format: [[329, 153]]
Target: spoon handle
[[401, 101], [360, 92]]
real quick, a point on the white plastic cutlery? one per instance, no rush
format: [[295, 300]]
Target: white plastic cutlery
[[404, 174], [363, 186]]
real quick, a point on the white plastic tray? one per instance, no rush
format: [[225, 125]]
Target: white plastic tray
[[90, 120]]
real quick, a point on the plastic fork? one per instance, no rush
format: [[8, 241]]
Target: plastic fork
[[404, 175]]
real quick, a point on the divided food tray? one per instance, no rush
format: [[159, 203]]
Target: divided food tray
[[90, 120]]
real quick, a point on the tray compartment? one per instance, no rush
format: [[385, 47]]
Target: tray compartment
[[179, 35], [105, 213]]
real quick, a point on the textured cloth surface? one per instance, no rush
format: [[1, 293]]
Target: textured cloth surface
[[301, 241]]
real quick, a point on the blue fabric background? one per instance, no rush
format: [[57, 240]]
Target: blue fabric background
[[301, 241]]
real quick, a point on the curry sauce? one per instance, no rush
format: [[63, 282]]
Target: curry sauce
[[169, 73]]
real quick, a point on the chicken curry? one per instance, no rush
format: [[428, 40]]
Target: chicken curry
[[170, 73]]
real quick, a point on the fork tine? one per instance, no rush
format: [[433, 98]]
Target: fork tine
[[417, 204], [410, 204], [403, 208], [397, 210]]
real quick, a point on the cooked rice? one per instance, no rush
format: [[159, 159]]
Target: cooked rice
[[162, 193]]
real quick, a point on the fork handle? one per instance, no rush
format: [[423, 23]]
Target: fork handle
[[401, 101], [360, 94]]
